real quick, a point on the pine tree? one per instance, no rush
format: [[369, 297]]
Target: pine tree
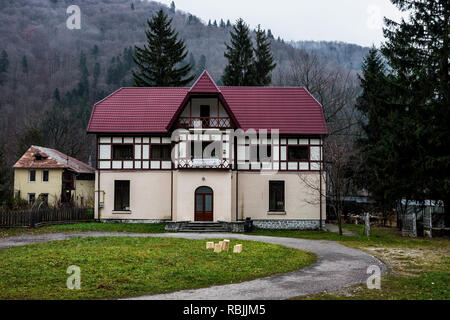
[[25, 65], [240, 68], [375, 108], [4, 64], [228, 23], [158, 61], [264, 62], [96, 74], [215, 23], [269, 34], [56, 96], [132, 6], [4, 179], [222, 23], [209, 23], [417, 51], [172, 7]]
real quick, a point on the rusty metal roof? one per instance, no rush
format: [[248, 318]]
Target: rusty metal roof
[[41, 157]]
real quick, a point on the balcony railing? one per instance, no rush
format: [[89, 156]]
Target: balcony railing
[[204, 122], [213, 163]]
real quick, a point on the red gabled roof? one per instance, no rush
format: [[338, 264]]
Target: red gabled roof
[[151, 110], [289, 109], [204, 84]]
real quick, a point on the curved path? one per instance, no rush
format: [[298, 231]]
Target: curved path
[[337, 266]]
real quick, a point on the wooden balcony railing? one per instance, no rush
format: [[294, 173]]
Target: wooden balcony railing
[[204, 122], [204, 163]]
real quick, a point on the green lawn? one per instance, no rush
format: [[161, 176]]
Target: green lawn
[[124, 267], [419, 268], [87, 226]]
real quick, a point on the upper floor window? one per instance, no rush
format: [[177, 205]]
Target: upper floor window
[[123, 152], [205, 111], [32, 175], [161, 152], [45, 176], [298, 153]]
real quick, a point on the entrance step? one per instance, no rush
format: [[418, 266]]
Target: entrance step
[[203, 227]]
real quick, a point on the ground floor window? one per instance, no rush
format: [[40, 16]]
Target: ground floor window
[[31, 197], [122, 195], [276, 195]]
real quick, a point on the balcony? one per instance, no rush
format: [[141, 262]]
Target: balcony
[[204, 122], [212, 163]]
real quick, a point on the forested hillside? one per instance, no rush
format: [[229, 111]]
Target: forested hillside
[[53, 75]]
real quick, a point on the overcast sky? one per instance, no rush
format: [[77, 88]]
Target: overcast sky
[[354, 21]]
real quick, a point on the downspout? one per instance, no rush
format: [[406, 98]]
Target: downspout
[[171, 195], [237, 179], [320, 183], [98, 196]]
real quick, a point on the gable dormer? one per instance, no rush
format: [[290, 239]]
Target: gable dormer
[[204, 106]]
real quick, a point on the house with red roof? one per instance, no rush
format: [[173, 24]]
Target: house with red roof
[[210, 155], [45, 175]]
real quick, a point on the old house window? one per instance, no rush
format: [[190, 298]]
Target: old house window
[[32, 175], [298, 153], [31, 198], [161, 152], [45, 176], [276, 195], [122, 195], [123, 152], [44, 197]]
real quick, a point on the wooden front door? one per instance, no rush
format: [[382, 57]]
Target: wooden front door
[[204, 204]]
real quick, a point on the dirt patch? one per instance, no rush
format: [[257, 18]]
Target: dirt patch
[[407, 261]]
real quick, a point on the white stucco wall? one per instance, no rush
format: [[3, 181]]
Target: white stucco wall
[[149, 194], [301, 201], [187, 181]]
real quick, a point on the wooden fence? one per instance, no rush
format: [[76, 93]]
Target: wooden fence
[[37, 218]]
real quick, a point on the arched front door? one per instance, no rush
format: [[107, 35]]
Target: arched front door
[[203, 204]]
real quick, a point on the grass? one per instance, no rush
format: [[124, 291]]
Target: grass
[[419, 268], [123, 267], [87, 226]]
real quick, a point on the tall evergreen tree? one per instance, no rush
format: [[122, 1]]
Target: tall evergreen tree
[[172, 7], [374, 105], [158, 61], [264, 62], [4, 64], [418, 50], [222, 23], [3, 176], [240, 68], [24, 65]]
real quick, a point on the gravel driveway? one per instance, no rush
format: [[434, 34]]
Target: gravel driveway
[[337, 267]]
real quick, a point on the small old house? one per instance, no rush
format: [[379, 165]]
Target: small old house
[[47, 175]]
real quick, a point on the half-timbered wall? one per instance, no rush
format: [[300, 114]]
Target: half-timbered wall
[[247, 150]]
